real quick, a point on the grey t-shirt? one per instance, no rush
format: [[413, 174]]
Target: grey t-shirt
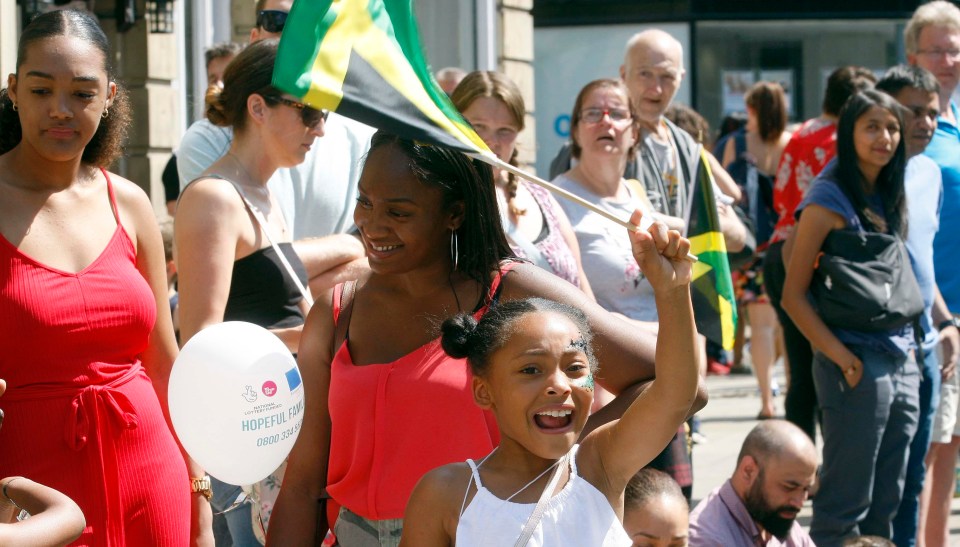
[[606, 254], [667, 188]]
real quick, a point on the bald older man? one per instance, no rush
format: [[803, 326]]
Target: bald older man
[[760, 502], [653, 69], [667, 156]]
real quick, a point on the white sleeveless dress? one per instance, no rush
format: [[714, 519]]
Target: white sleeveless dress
[[577, 515]]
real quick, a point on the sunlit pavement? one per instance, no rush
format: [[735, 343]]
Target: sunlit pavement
[[730, 415]]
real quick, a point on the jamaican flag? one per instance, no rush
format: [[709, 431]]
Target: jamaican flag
[[714, 306], [363, 59]]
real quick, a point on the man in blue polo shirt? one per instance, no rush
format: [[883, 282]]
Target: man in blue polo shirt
[[932, 39]]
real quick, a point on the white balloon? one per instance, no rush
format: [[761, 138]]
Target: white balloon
[[236, 401]]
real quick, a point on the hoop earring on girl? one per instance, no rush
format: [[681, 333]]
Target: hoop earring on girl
[[454, 249]]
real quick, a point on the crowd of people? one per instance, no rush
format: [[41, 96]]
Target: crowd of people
[[483, 364]]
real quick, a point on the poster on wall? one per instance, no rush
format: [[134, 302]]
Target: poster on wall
[[784, 77], [736, 83]]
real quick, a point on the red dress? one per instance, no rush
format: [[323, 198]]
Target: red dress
[[81, 415]]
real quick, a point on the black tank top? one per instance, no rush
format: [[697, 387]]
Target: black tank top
[[261, 291]]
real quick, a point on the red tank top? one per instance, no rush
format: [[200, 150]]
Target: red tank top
[[81, 414], [393, 422], [84, 328]]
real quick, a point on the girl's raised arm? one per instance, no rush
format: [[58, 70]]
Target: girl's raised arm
[[613, 453]]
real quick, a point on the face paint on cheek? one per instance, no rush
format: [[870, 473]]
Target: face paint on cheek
[[584, 383], [587, 381]]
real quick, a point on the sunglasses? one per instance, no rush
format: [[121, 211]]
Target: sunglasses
[[308, 115], [272, 20]]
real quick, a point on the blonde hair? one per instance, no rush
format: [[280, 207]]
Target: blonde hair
[[938, 13], [487, 83]]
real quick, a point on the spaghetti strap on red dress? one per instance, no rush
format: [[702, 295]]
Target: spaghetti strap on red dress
[[81, 414]]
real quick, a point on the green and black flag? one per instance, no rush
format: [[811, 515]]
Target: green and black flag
[[363, 59], [714, 304]]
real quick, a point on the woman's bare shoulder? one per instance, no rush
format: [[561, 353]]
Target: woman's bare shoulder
[[127, 191]]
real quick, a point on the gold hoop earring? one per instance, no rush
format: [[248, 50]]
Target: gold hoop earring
[[15, 107], [106, 113]]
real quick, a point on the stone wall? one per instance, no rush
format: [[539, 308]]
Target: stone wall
[[516, 61]]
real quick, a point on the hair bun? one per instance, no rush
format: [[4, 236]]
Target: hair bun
[[456, 334], [215, 110]]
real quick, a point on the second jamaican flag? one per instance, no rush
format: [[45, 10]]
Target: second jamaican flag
[[714, 304]]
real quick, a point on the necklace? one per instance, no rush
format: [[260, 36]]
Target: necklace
[[246, 173], [262, 190], [525, 486]]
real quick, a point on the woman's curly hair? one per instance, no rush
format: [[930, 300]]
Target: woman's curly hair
[[107, 143]]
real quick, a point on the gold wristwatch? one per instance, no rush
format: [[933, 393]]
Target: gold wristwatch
[[201, 486]]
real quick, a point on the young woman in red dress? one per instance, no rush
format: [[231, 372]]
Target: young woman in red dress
[[86, 355]]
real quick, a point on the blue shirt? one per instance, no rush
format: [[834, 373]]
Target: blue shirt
[[924, 198], [825, 192], [945, 150]]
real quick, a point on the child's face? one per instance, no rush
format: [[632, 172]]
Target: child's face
[[661, 521], [539, 384]]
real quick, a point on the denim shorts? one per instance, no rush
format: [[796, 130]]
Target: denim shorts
[[352, 530]]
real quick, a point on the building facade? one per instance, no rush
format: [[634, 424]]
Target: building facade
[[728, 45], [159, 55]]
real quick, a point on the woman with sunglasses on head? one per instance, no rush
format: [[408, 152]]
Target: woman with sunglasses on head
[[87, 343], [229, 227]]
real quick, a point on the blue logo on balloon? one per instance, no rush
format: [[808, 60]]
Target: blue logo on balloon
[[561, 125], [293, 378]]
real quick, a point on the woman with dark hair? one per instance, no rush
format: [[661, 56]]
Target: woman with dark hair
[[86, 354], [235, 258], [867, 382], [537, 228], [751, 156], [388, 403]]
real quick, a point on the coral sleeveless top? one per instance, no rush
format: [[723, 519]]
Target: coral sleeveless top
[[81, 415], [393, 422]]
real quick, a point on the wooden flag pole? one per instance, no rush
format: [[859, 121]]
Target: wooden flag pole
[[645, 221]]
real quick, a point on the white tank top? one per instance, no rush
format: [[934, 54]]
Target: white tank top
[[577, 515]]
